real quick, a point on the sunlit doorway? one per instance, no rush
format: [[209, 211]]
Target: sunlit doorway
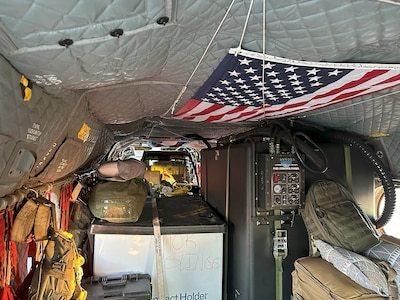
[[393, 226]]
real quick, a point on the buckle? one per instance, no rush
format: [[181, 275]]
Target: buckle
[[59, 266]]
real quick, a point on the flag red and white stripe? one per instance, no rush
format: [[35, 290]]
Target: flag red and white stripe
[[239, 91]]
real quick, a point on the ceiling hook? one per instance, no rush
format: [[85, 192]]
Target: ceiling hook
[[117, 32], [162, 20], [65, 42]]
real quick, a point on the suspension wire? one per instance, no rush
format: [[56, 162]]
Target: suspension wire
[[172, 107], [389, 2], [244, 27], [263, 61], [151, 130], [263, 47]]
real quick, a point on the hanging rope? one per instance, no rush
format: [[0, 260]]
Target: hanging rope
[[172, 107]]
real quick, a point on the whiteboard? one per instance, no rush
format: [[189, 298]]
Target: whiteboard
[[192, 263]]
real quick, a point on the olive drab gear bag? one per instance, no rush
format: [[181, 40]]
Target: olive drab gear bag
[[59, 274], [118, 202], [331, 214]]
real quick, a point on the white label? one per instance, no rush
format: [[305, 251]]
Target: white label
[[49, 79], [33, 132]]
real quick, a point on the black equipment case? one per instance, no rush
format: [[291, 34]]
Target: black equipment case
[[192, 236], [178, 215], [127, 286], [246, 183]]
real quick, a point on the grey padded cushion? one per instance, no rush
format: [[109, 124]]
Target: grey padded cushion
[[387, 252], [357, 267]]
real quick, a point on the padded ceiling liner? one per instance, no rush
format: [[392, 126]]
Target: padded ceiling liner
[[148, 68]]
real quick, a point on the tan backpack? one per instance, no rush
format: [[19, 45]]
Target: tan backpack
[[59, 274]]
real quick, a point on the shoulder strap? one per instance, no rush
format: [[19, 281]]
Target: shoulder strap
[[42, 219], [158, 249], [390, 239], [34, 217], [24, 221], [390, 274]]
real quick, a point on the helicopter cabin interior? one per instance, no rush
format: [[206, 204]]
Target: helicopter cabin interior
[[199, 150]]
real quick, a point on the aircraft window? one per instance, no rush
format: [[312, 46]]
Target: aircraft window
[[393, 226]]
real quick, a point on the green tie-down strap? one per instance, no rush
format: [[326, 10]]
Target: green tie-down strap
[[280, 253]]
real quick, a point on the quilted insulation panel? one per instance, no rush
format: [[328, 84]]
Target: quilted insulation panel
[[35, 128], [133, 63]]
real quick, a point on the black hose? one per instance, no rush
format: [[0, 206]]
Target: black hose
[[199, 138], [323, 155], [259, 131], [379, 167], [318, 161], [286, 136], [344, 138]]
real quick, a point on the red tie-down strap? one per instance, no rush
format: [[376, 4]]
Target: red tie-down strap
[[66, 196], [10, 267], [3, 264]]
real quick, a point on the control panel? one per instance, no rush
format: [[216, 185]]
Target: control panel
[[280, 182]]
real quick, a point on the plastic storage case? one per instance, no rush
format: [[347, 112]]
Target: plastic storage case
[[126, 286]]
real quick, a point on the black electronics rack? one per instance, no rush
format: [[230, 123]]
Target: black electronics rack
[[235, 181], [280, 182]]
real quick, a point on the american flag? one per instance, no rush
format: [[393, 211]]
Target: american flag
[[239, 90]]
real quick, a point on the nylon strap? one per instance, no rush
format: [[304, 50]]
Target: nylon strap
[[226, 240], [347, 160], [34, 215], [75, 193], [42, 222], [24, 221], [43, 218], [278, 263], [390, 274], [278, 278], [158, 249]]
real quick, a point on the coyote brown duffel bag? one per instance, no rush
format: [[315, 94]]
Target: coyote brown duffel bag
[[316, 279]]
